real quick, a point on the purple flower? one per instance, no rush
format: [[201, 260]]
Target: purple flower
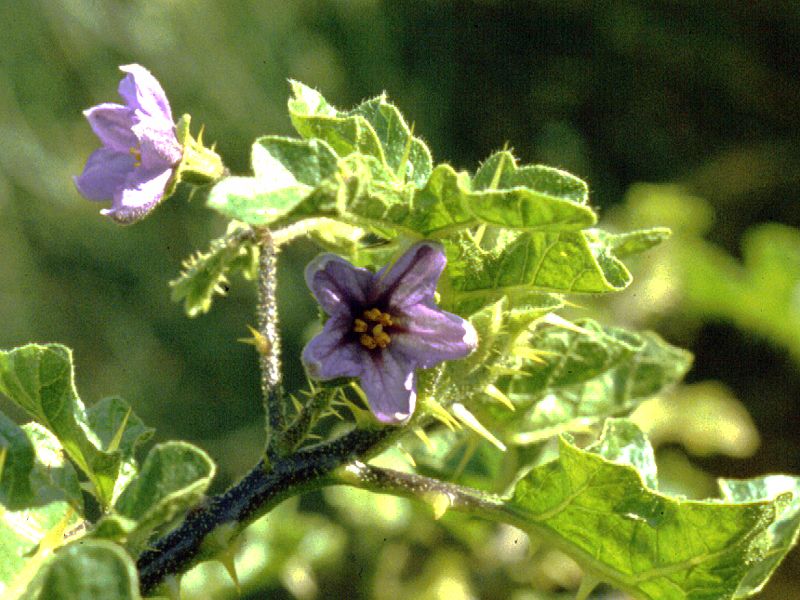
[[140, 150], [383, 326]]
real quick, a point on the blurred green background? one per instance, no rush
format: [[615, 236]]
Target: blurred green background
[[684, 114]]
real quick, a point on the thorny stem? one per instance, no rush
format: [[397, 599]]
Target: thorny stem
[[251, 498], [298, 429], [269, 355]]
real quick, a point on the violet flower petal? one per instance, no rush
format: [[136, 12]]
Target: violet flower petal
[[112, 124], [105, 172], [141, 91], [412, 279], [157, 143], [142, 191], [329, 355], [428, 335], [337, 285], [390, 385]]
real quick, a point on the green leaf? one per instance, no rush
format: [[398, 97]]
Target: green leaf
[[574, 356], [313, 117], [17, 462], [90, 570], [115, 424], [408, 157], [286, 171], [547, 262], [781, 535], [595, 505], [447, 203], [40, 380], [52, 476], [113, 527], [624, 443], [205, 274], [758, 295], [118, 428], [374, 128], [173, 478], [631, 242], [584, 376], [500, 171]]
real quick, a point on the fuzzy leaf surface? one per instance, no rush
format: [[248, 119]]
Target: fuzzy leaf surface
[[39, 493]]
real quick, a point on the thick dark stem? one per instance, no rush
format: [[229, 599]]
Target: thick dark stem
[[269, 352], [252, 497]]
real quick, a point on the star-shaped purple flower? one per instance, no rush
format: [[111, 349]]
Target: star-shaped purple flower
[[383, 326], [140, 150]]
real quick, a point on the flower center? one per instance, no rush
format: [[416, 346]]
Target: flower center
[[137, 156], [371, 328]]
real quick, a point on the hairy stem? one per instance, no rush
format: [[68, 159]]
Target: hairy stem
[[441, 494], [269, 353], [256, 494]]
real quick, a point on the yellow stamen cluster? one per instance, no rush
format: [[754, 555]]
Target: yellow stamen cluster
[[137, 155], [376, 320]]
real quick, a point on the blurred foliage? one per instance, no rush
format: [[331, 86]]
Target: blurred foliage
[[702, 94]]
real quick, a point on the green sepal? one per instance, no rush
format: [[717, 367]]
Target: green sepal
[[199, 165]]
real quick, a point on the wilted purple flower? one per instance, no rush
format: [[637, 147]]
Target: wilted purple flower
[[140, 150], [383, 326]]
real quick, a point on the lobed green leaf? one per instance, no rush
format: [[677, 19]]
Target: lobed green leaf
[[563, 262], [596, 505], [782, 534]]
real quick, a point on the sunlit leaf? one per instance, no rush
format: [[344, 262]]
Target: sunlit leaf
[[594, 504], [285, 171], [40, 497]]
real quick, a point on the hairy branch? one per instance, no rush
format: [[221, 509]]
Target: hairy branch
[[440, 494], [269, 354]]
